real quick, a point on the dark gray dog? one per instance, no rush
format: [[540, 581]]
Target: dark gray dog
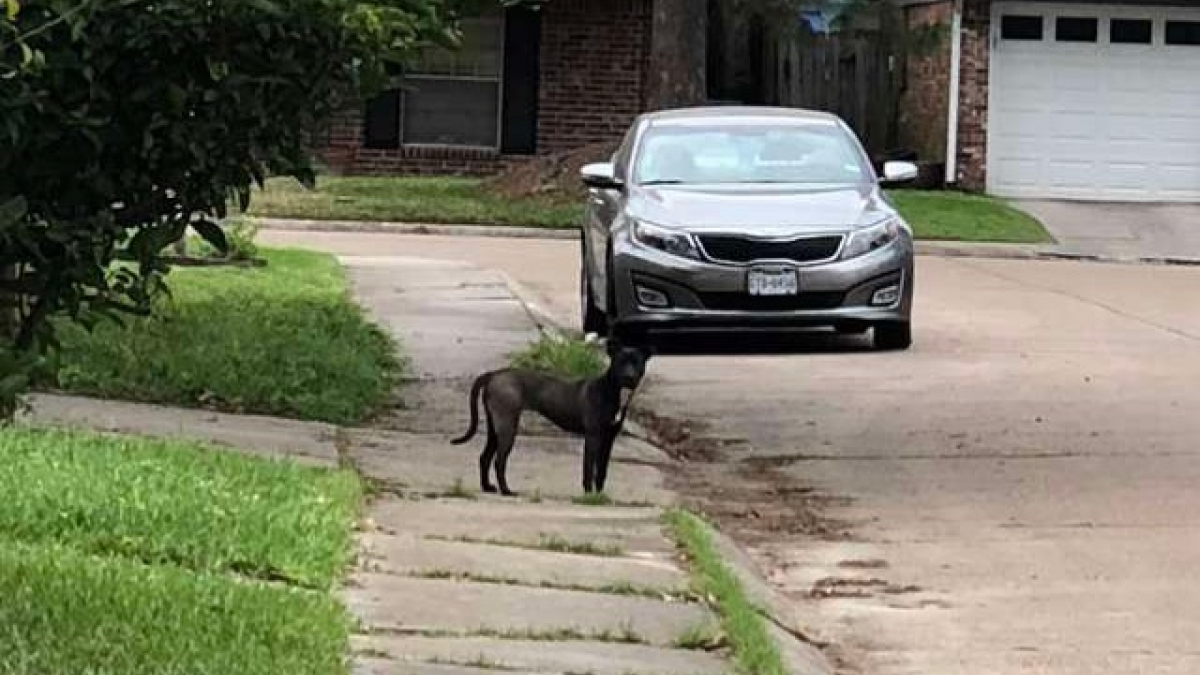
[[593, 408]]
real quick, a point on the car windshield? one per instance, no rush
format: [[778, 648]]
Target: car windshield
[[817, 152]]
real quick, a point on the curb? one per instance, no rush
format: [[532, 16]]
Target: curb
[[801, 653], [542, 318], [1163, 261]]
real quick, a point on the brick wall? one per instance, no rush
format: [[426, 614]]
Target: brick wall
[[594, 57], [973, 95], [593, 80], [923, 108]]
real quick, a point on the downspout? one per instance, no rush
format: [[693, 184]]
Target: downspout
[[953, 103]]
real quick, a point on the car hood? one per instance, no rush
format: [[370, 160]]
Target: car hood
[[759, 208]]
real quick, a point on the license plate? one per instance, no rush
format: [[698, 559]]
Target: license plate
[[772, 282]]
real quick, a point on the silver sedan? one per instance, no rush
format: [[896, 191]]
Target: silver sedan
[[732, 218]]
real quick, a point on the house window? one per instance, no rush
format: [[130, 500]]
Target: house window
[[452, 97], [1075, 29], [1020, 27], [1183, 33], [1130, 31]]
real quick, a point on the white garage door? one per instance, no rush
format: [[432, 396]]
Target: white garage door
[[1094, 102]]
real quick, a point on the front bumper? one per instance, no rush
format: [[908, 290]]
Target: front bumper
[[705, 295]]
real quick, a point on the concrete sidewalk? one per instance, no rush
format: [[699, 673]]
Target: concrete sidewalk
[[449, 582]]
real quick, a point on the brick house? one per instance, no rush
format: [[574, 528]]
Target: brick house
[[524, 83], [1075, 100]]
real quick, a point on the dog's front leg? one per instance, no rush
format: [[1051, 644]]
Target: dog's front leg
[[591, 453], [602, 458]]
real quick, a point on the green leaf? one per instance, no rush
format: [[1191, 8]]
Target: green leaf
[[213, 234], [11, 9], [265, 6], [12, 211]]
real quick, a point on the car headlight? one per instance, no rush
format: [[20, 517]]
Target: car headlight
[[873, 237], [665, 240]]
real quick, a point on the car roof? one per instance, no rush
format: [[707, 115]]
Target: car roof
[[735, 114]]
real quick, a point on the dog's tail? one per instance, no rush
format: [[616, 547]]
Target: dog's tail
[[476, 389]]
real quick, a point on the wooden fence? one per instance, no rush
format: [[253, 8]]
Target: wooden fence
[[858, 78]]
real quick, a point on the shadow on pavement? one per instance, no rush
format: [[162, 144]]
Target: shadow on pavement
[[760, 343]]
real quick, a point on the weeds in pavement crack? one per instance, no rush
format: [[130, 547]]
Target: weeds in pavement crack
[[624, 588], [546, 542], [480, 661], [701, 637], [624, 634]]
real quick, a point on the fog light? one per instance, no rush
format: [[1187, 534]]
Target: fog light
[[888, 295], [649, 297]]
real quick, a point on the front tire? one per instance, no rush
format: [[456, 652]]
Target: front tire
[[594, 320], [893, 336]]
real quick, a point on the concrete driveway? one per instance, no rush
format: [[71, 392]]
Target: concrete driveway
[[1121, 231], [1019, 494]]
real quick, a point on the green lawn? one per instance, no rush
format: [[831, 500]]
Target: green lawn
[[159, 502], [410, 200], [962, 217], [933, 214], [135, 556], [285, 339]]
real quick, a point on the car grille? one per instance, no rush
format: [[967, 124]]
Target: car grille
[[741, 302], [732, 248]]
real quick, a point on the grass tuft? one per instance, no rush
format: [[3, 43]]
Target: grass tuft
[[458, 490], [592, 499], [754, 652], [568, 358], [285, 340], [702, 637]]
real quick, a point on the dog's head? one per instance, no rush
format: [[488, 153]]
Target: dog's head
[[628, 366]]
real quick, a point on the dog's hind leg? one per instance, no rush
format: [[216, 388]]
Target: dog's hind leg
[[486, 457], [506, 436]]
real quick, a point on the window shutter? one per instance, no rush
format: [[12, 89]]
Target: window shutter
[[522, 58], [381, 126]]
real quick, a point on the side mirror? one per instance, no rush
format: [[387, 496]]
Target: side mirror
[[899, 172], [601, 176]]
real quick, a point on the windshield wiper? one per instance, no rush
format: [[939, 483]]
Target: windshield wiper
[[662, 181]]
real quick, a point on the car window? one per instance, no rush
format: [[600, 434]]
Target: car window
[[794, 153]]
